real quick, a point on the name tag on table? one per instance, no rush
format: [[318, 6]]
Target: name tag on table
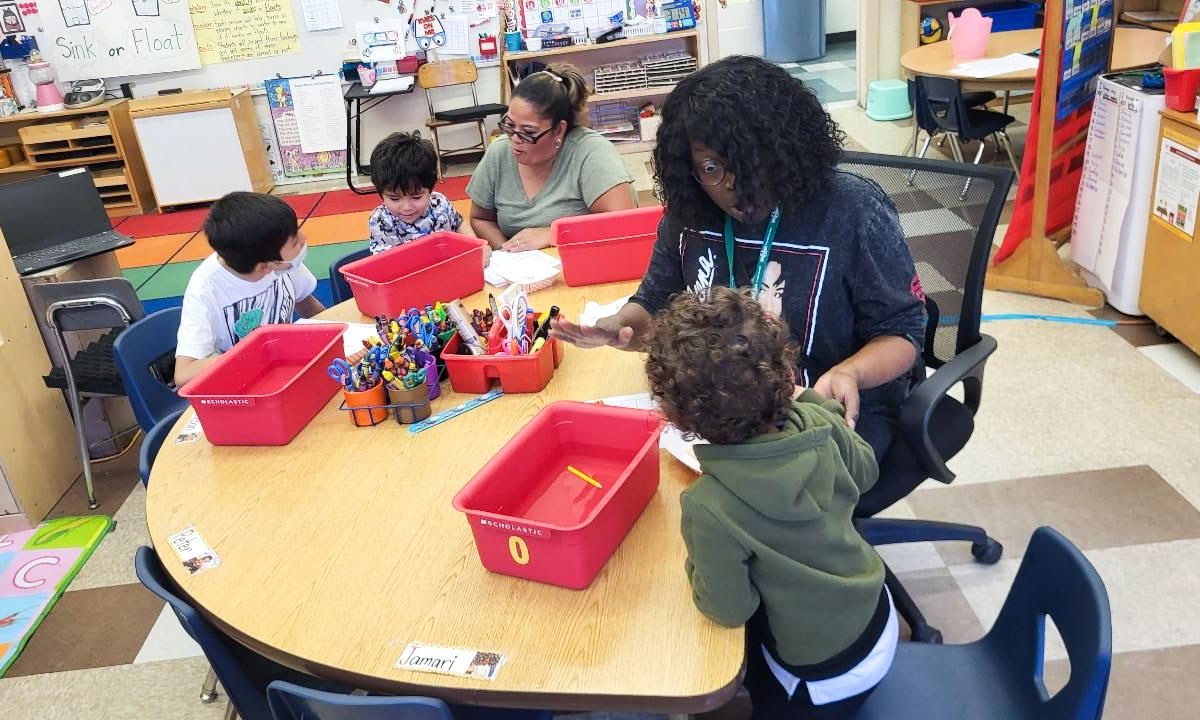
[[450, 661], [194, 554]]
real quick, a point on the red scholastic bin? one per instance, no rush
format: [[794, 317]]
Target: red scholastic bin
[[416, 274], [534, 518], [606, 247], [517, 373], [269, 386]]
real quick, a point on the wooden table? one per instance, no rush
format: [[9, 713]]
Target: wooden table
[[342, 547], [1134, 47]]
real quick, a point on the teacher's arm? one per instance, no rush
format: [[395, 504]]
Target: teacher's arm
[[482, 189], [483, 222]]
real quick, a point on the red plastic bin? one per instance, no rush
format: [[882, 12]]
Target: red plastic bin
[[443, 265], [606, 247], [269, 386], [517, 374], [531, 518]]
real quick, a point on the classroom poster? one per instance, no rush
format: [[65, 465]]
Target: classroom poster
[[1177, 188], [104, 38], [295, 162], [229, 30]]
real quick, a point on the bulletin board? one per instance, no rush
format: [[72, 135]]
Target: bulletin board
[[308, 52]]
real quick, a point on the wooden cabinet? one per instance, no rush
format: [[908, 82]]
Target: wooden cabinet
[[99, 138], [1135, 12], [1170, 293]]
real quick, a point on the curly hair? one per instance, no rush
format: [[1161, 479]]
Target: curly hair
[[777, 141], [721, 368], [405, 163]]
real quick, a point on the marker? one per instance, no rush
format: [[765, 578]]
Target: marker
[[544, 329], [584, 476]]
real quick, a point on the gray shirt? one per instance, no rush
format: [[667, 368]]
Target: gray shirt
[[587, 166]]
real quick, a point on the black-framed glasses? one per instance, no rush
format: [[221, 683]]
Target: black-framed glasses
[[508, 128], [710, 173]]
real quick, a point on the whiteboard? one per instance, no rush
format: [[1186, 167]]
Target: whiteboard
[[319, 51], [206, 167]]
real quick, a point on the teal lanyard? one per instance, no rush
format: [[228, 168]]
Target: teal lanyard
[[764, 255]]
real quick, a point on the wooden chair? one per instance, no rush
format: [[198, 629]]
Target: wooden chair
[[448, 74]]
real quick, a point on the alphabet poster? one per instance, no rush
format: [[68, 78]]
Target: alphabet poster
[[106, 38], [228, 30]]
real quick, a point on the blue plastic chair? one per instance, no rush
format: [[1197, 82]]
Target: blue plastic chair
[[136, 350], [1000, 676], [153, 442], [243, 673], [293, 702], [337, 283]]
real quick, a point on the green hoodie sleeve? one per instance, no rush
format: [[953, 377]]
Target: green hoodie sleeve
[[857, 454], [716, 567]]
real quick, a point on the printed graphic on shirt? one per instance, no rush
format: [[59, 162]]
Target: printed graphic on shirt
[[387, 231], [274, 305]]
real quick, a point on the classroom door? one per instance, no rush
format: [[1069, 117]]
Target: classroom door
[[739, 28]]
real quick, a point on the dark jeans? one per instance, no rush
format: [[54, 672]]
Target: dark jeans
[[770, 700], [878, 428]]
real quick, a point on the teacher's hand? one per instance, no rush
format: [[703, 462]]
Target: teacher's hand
[[608, 331], [528, 239], [841, 385]]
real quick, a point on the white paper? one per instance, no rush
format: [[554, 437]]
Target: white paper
[[321, 14], [531, 267], [478, 664], [352, 340], [458, 35], [390, 85], [593, 312], [320, 115], [1177, 189], [194, 554], [382, 40], [671, 440], [992, 67], [190, 432]]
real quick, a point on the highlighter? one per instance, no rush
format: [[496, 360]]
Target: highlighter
[[543, 330]]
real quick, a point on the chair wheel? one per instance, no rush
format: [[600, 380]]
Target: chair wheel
[[927, 634], [987, 553], [1162, 332]]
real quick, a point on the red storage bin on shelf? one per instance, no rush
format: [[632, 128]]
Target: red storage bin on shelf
[[532, 518], [443, 265], [517, 373], [269, 386], [606, 247]]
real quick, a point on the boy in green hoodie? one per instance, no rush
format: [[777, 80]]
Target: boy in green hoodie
[[771, 543]]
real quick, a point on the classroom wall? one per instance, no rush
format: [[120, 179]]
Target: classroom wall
[[739, 28], [841, 16]]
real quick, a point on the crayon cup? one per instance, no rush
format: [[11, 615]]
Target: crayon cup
[[413, 405], [432, 380], [372, 401]]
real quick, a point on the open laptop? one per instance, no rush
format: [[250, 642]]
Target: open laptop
[[55, 219]]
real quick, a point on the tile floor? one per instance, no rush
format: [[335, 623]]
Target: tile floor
[[833, 77], [1087, 428]]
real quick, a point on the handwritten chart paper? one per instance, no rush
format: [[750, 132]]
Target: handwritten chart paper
[[103, 38], [228, 30]]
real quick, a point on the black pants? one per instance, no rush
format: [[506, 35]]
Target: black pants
[[771, 701]]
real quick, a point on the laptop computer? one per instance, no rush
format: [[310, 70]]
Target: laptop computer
[[55, 219]]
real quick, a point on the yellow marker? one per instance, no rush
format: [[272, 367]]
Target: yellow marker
[[584, 477]]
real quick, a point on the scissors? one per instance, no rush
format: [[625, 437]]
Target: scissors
[[424, 330], [341, 371], [414, 379], [378, 355], [514, 318]]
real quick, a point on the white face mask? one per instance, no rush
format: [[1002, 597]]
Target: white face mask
[[298, 261]]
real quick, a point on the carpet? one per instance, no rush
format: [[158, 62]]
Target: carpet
[[35, 568]]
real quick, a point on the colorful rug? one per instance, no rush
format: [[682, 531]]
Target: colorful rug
[[170, 245], [35, 568]]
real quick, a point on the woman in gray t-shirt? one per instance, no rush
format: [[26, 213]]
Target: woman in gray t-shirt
[[549, 166]]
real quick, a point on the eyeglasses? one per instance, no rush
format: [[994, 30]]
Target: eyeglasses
[[508, 128], [710, 174]]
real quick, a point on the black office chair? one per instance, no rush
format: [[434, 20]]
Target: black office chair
[[337, 284], [951, 261], [941, 109]]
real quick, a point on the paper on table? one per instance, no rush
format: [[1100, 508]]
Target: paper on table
[[671, 439], [996, 66], [320, 115], [352, 340], [390, 85], [531, 267], [592, 312]]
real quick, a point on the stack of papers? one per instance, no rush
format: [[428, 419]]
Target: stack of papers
[[532, 269], [403, 83], [992, 67]]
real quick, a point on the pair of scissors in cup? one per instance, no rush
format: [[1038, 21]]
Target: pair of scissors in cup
[[424, 330], [341, 371]]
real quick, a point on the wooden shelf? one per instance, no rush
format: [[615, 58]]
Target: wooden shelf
[[31, 116], [629, 148], [77, 161], [110, 178], [645, 40], [1166, 26], [21, 167], [626, 94]]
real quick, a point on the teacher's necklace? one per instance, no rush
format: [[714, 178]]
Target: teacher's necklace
[[764, 254]]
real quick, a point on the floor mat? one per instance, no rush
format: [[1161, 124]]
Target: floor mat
[[35, 568]]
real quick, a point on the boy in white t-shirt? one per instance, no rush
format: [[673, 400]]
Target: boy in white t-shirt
[[256, 276]]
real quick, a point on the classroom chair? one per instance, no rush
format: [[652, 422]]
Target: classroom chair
[[1000, 676], [83, 306], [145, 356], [452, 74], [975, 99], [243, 673], [294, 702], [152, 443], [942, 110], [337, 284], [950, 240]]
